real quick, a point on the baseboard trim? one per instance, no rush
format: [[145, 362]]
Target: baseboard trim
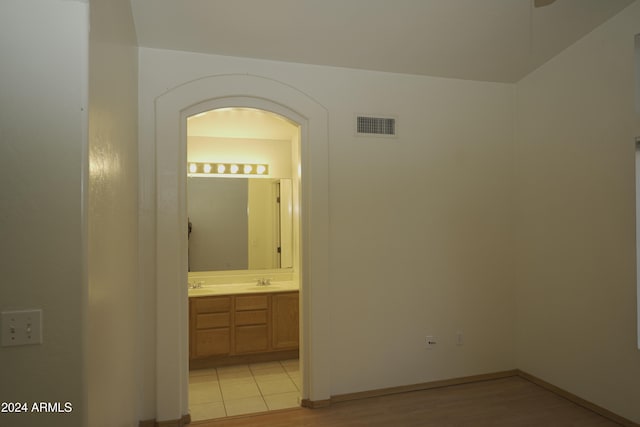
[[315, 404], [578, 400], [182, 422], [422, 386]]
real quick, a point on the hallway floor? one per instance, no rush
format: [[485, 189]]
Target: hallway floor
[[242, 389]]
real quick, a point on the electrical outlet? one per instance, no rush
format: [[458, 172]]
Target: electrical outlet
[[23, 327], [431, 341]]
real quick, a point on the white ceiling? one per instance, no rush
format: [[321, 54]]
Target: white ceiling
[[492, 40]]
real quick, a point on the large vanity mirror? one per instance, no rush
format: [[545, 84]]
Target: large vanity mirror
[[239, 223]]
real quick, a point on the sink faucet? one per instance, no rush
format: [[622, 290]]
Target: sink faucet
[[196, 285], [264, 282]]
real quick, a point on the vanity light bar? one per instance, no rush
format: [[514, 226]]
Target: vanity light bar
[[201, 168]]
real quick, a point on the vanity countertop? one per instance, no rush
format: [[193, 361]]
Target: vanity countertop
[[243, 288]]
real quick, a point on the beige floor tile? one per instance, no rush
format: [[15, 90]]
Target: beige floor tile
[[239, 390], [204, 379], [238, 378], [264, 365], [283, 385], [265, 370], [270, 375], [245, 405], [297, 380], [232, 368], [243, 389], [291, 364], [235, 375], [283, 400], [204, 392], [202, 372], [207, 411], [294, 375], [293, 372]]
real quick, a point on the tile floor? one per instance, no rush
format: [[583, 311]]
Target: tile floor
[[242, 389]]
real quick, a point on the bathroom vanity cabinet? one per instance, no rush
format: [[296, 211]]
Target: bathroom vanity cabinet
[[242, 328]]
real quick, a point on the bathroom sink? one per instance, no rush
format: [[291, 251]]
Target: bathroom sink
[[200, 291], [242, 288], [265, 287]]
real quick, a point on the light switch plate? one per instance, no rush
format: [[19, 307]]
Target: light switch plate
[[21, 327]]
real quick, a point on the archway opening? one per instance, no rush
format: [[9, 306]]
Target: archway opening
[[170, 218], [243, 203]]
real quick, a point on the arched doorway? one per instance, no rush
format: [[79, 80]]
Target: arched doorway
[[172, 110], [243, 228]]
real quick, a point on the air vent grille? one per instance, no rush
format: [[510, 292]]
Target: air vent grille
[[376, 126]]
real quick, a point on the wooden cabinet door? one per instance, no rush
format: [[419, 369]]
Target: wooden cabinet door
[[284, 321], [251, 339], [211, 342]]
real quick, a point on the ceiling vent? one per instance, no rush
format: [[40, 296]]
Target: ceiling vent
[[379, 126]]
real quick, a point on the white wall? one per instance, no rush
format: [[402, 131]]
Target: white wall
[[43, 124], [420, 225], [113, 336], [575, 242], [637, 78]]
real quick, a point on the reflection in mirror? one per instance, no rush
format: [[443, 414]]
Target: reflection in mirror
[[239, 223]]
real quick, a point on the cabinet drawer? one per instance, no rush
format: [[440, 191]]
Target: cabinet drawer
[[254, 317], [212, 320], [251, 302], [212, 305]]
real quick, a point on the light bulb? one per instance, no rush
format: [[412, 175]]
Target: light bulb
[[193, 168], [234, 168], [261, 169], [207, 168], [221, 168], [247, 169]]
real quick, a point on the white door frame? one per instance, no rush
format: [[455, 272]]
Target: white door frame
[[172, 108]]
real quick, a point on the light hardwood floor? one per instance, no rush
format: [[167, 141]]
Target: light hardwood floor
[[506, 402]]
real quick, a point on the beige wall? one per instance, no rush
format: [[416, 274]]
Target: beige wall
[[113, 383], [576, 285], [43, 122], [420, 238]]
